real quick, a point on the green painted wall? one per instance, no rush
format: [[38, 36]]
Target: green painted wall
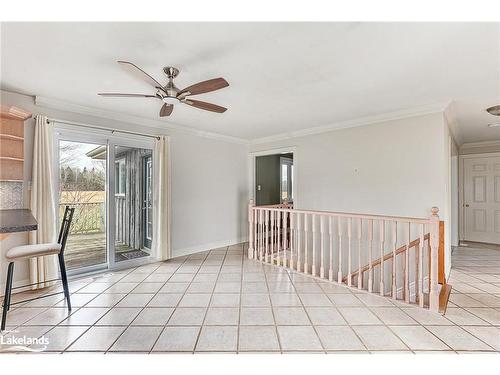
[[267, 175]]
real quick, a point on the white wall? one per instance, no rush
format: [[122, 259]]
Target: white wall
[[392, 168], [209, 182]]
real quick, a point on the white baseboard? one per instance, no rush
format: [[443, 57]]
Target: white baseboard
[[208, 246]]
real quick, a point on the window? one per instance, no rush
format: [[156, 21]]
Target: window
[[286, 179], [120, 176]]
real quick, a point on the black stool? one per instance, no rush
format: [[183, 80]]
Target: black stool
[[33, 251]]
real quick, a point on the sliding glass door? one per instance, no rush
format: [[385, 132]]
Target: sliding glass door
[[132, 200], [82, 184], [109, 182]]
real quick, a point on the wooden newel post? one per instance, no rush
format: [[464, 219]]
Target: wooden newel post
[[433, 272], [250, 229]]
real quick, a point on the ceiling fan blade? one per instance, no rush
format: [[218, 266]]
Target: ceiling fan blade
[[135, 70], [166, 110], [205, 86], [206, 106], [120, 95]]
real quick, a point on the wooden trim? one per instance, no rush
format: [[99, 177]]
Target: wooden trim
[[441, 270], [388, 256], [444, 296], [413, 220]]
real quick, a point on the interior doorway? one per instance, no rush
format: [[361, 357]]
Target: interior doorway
[[274, 179], [481, 198]]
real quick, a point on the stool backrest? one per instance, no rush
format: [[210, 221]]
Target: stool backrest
[[65, 225]]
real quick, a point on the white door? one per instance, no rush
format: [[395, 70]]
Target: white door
[[482, 199]]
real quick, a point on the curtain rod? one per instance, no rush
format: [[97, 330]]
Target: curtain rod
[[101, 128]]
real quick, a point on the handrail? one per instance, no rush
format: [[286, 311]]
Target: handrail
[[388, 256], [418, 220]]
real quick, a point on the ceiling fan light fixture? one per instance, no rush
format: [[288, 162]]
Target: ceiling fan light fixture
[[170, 100], [495, 110]]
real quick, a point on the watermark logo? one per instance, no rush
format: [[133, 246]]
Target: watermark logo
[[13, 343]]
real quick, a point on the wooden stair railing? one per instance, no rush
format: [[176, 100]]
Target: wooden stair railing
[[340, 247], [388, 256]]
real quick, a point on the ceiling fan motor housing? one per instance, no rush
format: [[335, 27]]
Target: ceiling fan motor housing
[[170, 89], [171, 72]]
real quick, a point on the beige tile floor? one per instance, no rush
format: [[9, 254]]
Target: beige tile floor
[[219, 301]]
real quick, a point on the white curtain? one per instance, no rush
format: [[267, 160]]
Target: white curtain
[[161, 228], [42, 201]]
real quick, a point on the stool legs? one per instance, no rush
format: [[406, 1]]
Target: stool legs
[[8, 291], [64, 279]]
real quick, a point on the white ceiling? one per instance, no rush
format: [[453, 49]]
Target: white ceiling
[[284, 77]]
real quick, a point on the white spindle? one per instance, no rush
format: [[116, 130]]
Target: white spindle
[[407, 265], [278, 236], [322, 248], [313, 271], [381, 239], [339, 229], [433, 273], [349, 261], [266, 235], [261, 235], [292, 239], [271, 214], [421, 266], [370, 266], [299, 243], [330, 237], [306, 244], [394, 258], [285, 237], [251, 230], [360, 274]]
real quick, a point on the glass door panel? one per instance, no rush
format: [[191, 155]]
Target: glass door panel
[[82, 184], [132, 202], [286, 179]]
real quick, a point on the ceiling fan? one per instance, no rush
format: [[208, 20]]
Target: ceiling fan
[[170, 94]]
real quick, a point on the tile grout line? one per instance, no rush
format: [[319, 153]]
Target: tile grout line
[[210, 301], [178, 302], [335, 306]]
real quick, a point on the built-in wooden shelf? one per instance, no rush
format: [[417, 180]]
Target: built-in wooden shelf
[[12, 143]]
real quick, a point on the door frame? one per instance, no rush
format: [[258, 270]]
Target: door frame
[[273, 151], [68, 132], [461, 187]]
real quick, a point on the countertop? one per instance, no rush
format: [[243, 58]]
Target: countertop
[[17, 220]]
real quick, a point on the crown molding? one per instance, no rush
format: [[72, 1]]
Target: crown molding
[[51, 103], [471, 145], [15, 113], [362, 121], [132, 119]]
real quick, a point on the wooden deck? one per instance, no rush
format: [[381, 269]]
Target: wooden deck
[[84, 250]]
